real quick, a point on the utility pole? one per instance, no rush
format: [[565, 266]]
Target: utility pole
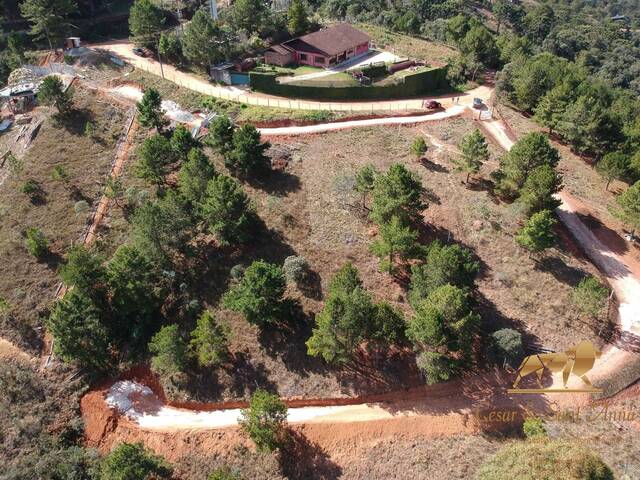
[[213, 5], [160, 59]]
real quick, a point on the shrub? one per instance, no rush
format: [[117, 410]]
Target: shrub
[[507, 343], [36, 242], [534, 427], [169, 351], [224, 473], [435, 367], [265, 420], [81, 207], [295, 268], [551, 460], [31, 188], [589, 296], [131, 461]]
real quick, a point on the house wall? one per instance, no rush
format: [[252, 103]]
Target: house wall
[[312, 59], [274, 58]]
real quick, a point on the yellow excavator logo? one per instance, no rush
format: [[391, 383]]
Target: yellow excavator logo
[[578, 361]]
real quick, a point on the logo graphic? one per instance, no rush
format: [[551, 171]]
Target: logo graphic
[[578, 361]]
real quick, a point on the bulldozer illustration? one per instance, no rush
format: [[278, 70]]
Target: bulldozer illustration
[[578, 361]]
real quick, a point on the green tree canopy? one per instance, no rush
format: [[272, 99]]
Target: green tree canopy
[[134, 283], [36, 242], [531, 151], [475, 152], [537, 234], [398, 192], [265, 421], [150, 112], [537, 192], [395, 239], [154, 157], [182, 142], [297, 18], [52, 92], [365, 178], [259, 294], [629, 206], [435, 367], [145, 22], [444, 320], [248, 154], [131, 461], [249, 15], [228, 212], [194, 176], [443, 264], [613, 166], [161, 227], [419, 147], [589, 297], [203, 42], [210, 340], [220, 136], [349, 318], [169, 351], [48, 18], [84, 271], [80, 336], [507, 344]]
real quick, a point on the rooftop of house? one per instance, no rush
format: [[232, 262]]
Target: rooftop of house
[[330, 41]]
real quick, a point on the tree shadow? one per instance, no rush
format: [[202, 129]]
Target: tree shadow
[[52, 260], [276, 182], [433, 166], [76, 120], [77, 194], [606, 235], [560, 270], [311, 285], [248, 376], [302, 459]]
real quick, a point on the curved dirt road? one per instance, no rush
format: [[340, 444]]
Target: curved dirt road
[[202, 85]]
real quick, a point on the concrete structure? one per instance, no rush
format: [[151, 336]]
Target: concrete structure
[[324, 48]]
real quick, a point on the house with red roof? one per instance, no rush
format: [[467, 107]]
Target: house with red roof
[[323, 48]]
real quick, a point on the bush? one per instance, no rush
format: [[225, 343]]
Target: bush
[[534, 427], [544, 459], [36, 242], [131, 461], [507, 343], [224, 473], [31, 188], [589, 297], [435, 367], [265, 420], [169, 351], [81, 207], [295, 268]]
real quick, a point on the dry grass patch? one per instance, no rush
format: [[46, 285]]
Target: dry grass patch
[[29, 284]]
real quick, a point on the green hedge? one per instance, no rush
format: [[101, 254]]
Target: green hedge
[[413, 85], [375, 71]]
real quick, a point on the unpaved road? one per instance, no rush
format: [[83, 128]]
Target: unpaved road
[[202, 85], [369, 122], [442, 409], [621, 269]]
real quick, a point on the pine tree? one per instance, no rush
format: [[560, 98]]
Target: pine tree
[[474, 153], [613, 166], [395, 238], [248, 154], [48, 18], [537, 234], [419, 147], [629, 207], [298, 19], [145, 22], [52, 92], [210, 340], [150, 112]]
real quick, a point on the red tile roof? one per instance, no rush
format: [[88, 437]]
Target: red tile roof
[[330, 41]]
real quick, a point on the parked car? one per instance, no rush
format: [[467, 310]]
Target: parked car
[[142, 52], [433, 105], [477, 103]]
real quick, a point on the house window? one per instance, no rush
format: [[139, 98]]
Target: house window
[[303, 56], [319, 60]]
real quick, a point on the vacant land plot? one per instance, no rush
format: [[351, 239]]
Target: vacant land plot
[[404, 45], [310, 209], [59, 208]]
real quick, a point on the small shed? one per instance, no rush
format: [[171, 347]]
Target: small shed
[[72, 42], [279, 55], [221, 72], [20, 98]]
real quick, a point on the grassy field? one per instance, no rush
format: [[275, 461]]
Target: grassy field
[[404, 45], [30, 287]]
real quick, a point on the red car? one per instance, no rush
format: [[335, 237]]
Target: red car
[[433, 105]]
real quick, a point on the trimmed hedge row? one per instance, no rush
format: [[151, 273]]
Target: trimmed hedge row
[[413, 85]]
